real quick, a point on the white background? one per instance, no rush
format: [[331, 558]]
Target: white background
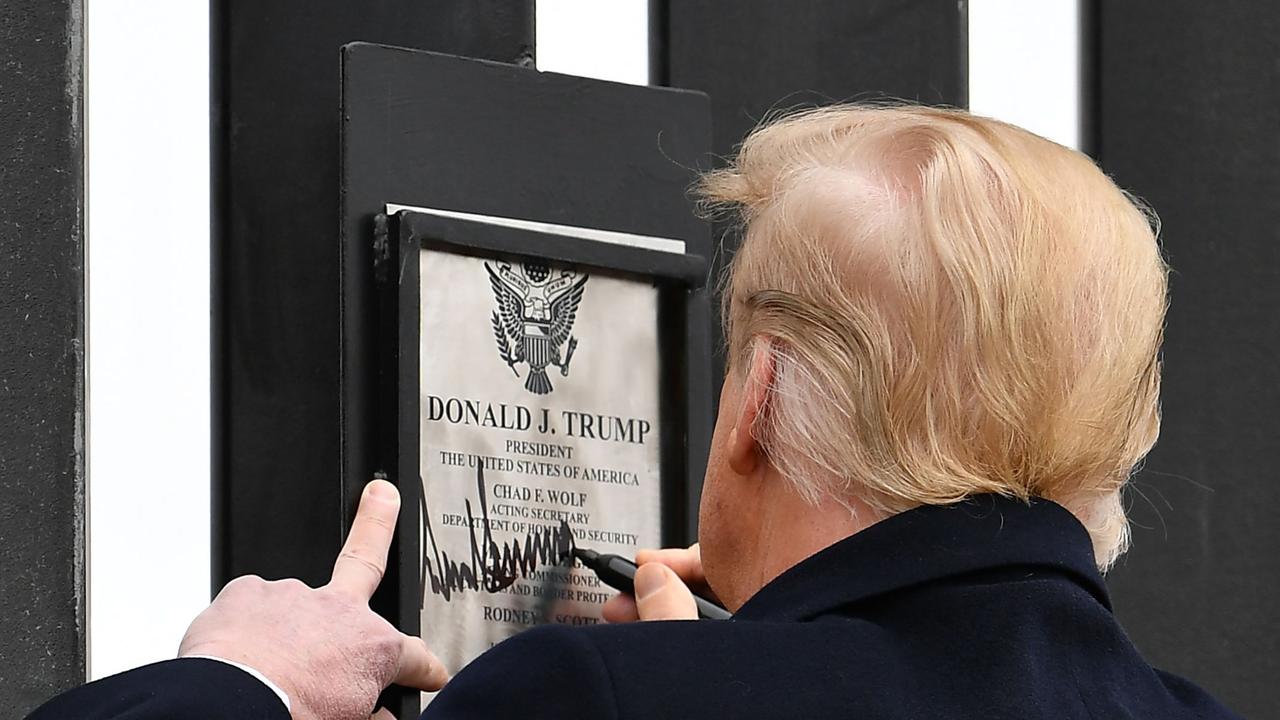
[[148, 140], [148, 246], [1024, 65]]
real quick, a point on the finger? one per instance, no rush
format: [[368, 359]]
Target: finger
[[620, 608], [686, 562], [382, 714], [660, 595], [363, 559], [419, 667]]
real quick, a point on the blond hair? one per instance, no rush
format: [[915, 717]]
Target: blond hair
[[953, 306]]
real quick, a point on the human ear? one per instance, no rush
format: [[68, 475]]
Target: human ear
[[744, 451]]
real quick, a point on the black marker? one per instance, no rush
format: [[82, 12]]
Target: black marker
[[619, 573]]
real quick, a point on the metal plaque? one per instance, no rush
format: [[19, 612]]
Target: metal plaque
[[539, 416]]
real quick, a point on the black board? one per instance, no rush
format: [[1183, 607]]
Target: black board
[[438, 131]]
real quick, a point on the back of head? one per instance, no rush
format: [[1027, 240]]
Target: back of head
[[955, 306]]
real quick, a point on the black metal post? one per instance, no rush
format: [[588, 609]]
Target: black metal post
[[762, 56], [1188, 102], [42, 352], [1090, 44], [276, 398]]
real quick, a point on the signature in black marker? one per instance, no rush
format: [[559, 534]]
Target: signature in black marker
[[491, 566]]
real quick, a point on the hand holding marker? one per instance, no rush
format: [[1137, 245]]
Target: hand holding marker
[[619, 573]]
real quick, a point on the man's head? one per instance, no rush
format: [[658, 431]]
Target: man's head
[[929, 305]]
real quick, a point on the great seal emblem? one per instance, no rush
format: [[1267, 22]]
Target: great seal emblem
[[534, 319]]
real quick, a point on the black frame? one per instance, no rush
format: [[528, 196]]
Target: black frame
[[684, 388]]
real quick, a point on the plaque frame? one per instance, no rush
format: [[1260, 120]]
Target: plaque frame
[[683, 384]]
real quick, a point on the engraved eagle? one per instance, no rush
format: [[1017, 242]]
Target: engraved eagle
[[535, 318]]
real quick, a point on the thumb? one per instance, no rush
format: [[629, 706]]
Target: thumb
[[382, 714], [661, 595]]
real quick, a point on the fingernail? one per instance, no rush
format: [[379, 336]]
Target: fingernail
[[382, 489], [649, 580]]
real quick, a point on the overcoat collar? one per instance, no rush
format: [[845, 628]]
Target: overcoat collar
[[932, 543]]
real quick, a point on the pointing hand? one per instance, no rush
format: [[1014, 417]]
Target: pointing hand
[[324, 647]]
